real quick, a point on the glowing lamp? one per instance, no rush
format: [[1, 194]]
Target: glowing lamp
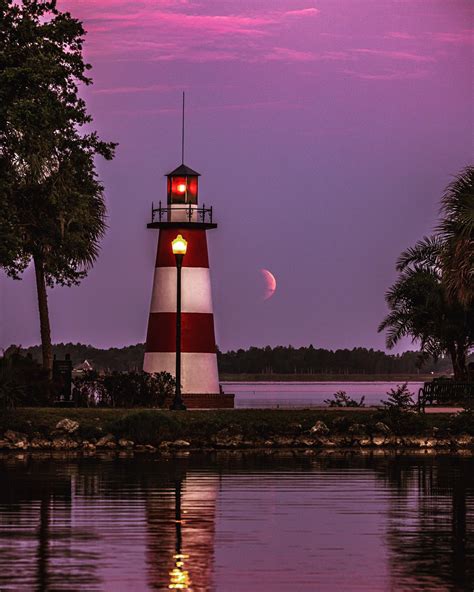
[[183, 186], [179, 245]]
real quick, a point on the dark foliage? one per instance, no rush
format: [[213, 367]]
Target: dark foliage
[[22, 381], [130, 389], [342, 399], [266, 360], [399, 398]]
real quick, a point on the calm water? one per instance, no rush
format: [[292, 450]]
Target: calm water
[[239, 522], [308, 394]]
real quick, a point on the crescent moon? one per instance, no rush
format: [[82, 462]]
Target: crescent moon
[[270, 283]]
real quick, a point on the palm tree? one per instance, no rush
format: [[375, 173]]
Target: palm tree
[[420, 308], [457, 232]]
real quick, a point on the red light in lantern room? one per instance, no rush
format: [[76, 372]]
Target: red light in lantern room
[[181, 187]]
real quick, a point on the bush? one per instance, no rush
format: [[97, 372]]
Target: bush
[[22, 381], [402, 422], [130, 389], [462, 423], [342, 399], [400, 398]]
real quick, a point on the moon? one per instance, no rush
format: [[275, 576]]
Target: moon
[[270, 283]]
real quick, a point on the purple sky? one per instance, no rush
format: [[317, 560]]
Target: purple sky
[[325, 132]]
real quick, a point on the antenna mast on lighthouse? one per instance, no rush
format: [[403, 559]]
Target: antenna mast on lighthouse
[[182, 134]]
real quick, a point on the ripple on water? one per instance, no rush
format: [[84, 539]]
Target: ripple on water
[[231, 522]]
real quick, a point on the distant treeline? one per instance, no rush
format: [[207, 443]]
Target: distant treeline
[[266, 360], [309, 360]]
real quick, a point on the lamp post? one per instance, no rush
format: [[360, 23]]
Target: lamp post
[[179, 246]]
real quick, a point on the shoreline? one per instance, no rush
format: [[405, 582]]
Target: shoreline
[[315, 378], [158, 431]]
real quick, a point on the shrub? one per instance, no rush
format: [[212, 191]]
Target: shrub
[[400, 421], [400, 398], [342, 399], [22, 381], [127, 389], [462, 423]]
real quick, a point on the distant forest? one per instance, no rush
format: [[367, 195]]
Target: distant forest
[[266, 360]]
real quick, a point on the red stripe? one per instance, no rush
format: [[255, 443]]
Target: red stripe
[[197, 332], [196, 255]]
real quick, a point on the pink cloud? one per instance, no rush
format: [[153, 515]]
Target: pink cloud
[[287, 54], [465, 36], [399, 35], [397, 55], [158, 88], [387, 75]]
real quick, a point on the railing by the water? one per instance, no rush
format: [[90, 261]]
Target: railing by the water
[[189, 213]]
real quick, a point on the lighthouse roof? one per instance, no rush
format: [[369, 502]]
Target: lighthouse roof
[[183, 171]]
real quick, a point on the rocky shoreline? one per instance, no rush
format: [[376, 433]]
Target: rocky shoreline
[[66, 437]]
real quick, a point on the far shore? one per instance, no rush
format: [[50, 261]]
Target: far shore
[[328, 377]]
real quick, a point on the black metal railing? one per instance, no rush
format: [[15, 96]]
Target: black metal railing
[[191, 214], [445, 392]]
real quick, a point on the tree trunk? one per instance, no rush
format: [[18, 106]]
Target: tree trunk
[[45, 329], [461, 362], [457, 353]]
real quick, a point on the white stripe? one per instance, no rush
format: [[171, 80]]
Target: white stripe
[[196, 295], [198, 371]]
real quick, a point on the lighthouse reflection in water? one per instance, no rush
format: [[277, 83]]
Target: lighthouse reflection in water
[[237, 522]]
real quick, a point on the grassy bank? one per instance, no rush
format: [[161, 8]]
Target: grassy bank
[[327, 377], [234, 428]]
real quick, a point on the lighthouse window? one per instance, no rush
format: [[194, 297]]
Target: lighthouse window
[[183, 190], [179, 189]]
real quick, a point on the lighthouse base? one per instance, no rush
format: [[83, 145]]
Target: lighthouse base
[[208, 400]]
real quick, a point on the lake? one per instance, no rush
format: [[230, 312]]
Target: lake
[[237, 521], [308, 394]]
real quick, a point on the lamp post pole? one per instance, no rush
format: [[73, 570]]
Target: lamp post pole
[[179, 250]]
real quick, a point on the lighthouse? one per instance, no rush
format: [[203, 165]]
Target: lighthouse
[[182, 216]]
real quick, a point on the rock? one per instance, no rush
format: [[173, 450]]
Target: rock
[[295, 427], [124, 443], [14, 437], [69, 426], [365, 441], [320, 428], [224, 439], [86, 445], [106, 441], [40, 443], [64, 443], [378, 440], [150, 448], [326, 442], [464, 441], [5, 444], [164, 445], [284, 441], [306, 442], [382, 428], [268, 443], [180, 444]]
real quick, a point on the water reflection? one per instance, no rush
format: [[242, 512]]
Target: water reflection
[[232, 521]]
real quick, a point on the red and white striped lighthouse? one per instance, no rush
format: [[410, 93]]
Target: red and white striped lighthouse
[[182, 216]]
